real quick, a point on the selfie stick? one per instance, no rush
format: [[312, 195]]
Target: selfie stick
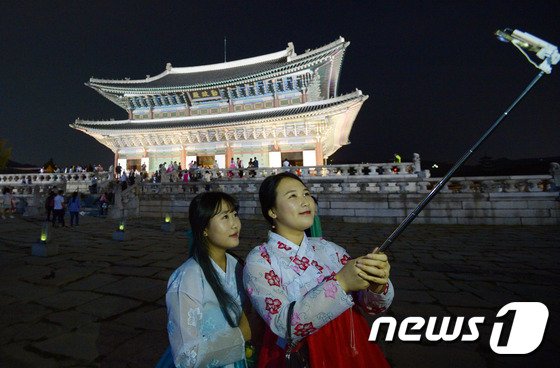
[[522, 41]]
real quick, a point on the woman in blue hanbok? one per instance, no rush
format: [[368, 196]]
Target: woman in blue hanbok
[[207, 326]]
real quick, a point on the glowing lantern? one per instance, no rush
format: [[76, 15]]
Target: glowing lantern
[[167, 218], [45, 233], [120, 234]]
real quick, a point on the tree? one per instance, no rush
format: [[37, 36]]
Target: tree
[[49, 166], [5, 153], [487, 165]]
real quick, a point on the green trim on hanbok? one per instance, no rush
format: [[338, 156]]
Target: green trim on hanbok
[[316, 230]]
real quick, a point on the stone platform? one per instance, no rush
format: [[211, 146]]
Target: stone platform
[[100, 303]]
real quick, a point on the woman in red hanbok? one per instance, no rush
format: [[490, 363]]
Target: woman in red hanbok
[[330, 290]]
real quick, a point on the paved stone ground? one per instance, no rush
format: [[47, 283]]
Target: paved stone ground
[[100, 303]]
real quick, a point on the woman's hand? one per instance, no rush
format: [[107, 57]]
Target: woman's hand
[[375, 269], [349, 277], [244, 327]]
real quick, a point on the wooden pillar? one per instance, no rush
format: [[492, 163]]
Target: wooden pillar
[[115, 162], [183, 157], [319, 153], [229, 155]]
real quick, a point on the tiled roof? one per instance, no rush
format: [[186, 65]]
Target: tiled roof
[[189, 79], [195, 77]]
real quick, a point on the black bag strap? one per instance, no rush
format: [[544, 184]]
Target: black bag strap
[[289, 326]]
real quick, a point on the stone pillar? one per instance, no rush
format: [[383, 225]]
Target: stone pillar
[[319, 153]]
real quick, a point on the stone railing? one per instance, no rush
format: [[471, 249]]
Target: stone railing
[[380, 184], [377, 169], [496, 184], [349, 194], [69, 182], [500, 200]]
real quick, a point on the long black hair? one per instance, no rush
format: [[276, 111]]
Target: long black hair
[[267, 192], [202, 208]]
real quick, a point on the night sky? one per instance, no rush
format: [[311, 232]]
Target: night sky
[[436, 76]]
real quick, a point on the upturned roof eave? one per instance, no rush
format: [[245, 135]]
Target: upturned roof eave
[[202, 68], [292, 65], [252, 118]]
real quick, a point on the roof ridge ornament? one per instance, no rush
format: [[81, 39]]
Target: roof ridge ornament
[[290, 51]]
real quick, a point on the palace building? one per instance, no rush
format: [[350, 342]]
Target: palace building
[[274, 107]]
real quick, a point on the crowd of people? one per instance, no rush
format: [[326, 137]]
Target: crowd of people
[[297, 299], [56, 206], [71, 169]]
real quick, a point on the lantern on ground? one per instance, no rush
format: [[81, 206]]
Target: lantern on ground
[[43, 246], [167, 225], [44, 233], [120, 234]]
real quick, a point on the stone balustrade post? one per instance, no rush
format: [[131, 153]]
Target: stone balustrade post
[[372, 188], [499, 186], [466, 186], [521, 186], [402, 186], [509, 186], [387, 169], [533, 185], [383, 187], [334, 188], [252, 188], [487, 186], [373, 170], [349, 187], [316, 188], [446, 188], [422, 186]]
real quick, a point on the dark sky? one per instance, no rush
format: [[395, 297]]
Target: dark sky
[[436, 76]]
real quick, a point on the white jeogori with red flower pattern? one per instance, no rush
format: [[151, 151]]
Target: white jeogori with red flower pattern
[[279, 272]]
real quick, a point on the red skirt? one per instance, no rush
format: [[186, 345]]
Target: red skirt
[[331, 346]]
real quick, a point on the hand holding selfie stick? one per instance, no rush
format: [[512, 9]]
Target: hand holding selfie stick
[[522, 41]]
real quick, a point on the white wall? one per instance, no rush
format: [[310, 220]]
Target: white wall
[[189, 159], [274, 159], [221, 161], [309, 158], [122, 163]]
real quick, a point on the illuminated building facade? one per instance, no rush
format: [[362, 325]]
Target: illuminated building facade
[[274, 107]]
